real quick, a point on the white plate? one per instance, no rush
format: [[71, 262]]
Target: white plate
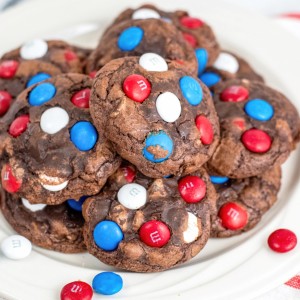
[[237, 268]]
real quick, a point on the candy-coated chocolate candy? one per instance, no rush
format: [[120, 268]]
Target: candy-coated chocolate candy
[[234, 93], [137, 87], [10, 183], [202, 58], [132, 195], [153, 62], [107, 235], [37, 78], [191, 90], [192, 231], [54, 119], [93, 74], [206, 130], [282, 240], [16, 247], [76, 290], [130, 38], [259, 109], [107, 283], [192, 189], [70, 55], [82, 98], [233, 216], [256, 141], [239, 123], [18, 126], [158, 147], [227, 62], [129, 174], [190, 22], [210, 78], [33, 207], [34, 49], [41, 94], [77, 205], [145, 13], [218, 179], [190, 39], [5, 100], [84, 135], [155, 233], [8, 68], [168, 107], [55, 187]]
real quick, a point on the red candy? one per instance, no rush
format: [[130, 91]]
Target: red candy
[[93, 74], [9, 182], [155, 233], [206, 130], [235, 93], [282, 240], [5, 99], [70, 55], [82, 98], [192, 23], [129, 174], [137, 87], [192, 188], [18, 126], [8, 68], [77, 290], [240, 123], [190, 39], [256, 140], [233, 216]]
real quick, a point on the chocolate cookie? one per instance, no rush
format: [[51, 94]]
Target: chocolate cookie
[[137, 37], [53, 151], [242, 202], [160, 120], [54, 227], [259, 128], [149, 225], [195, 31]]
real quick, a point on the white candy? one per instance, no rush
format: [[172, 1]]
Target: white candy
[[153, 62], [56, 187], [132, 195], [16, 247], [226, 62], [54, 119], [168, 107], [145, 13], [192, 231], [33, 207], [34, 49]]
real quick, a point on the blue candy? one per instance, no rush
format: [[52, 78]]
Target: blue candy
[[108, 235], [41, 94], [130, 38], [202, 58], [210, 78], [218, 179], [191, 90], [107, 283], [37, 78], [84, 135], [259, 109], [158, 139], [77, 205]]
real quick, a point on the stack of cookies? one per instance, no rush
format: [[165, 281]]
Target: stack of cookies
[[167, 141]]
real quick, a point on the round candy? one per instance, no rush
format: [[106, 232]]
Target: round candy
[[130, 38], [192, 23], [33, 207], [218, 179], [70, 55], [227, 62], [191, 90], [153, 62], [9, 182], [202, 58], [55, 187], [84, 135], [136, 87], [18, 126], [77, 205], [239, 123], [155, 233], [5, 100], [282, 240], [190, 39], [82, 98], [107, 235], [233, 216], [54, 119], [129, 174], [41, 94], [145, 13], [16, 247], [132, 195], [107, 283], [158, 147], [34, 49], [93, 74], [234, 93], [256, 140], [210, 78], [192, 189], [192, 231], [206, 130], [77, 290], [259, 109], [37, 78], [8, 69], [168, 107]]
